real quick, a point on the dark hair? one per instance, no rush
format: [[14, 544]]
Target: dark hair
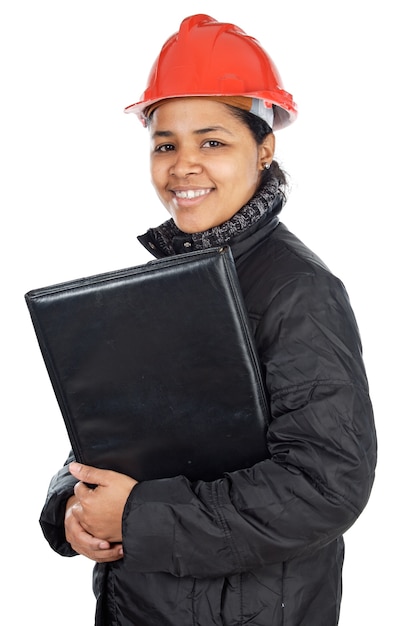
[[260, 129]]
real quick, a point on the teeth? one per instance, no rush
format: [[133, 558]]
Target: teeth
[[191, 193]]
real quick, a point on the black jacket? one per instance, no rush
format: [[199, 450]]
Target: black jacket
[[262, 546]]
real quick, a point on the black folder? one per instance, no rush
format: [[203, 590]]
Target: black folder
[[154, 367]]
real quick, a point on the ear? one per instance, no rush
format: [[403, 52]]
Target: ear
[[266, 150]]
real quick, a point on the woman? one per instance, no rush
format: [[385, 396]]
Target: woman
[[263, 545]]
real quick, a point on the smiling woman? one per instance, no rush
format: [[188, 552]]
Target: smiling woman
[[205, 162], [264, 544]]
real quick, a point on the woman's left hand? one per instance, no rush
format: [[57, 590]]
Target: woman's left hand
[[100, 510]]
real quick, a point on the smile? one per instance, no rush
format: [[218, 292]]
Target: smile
[[189, 194]]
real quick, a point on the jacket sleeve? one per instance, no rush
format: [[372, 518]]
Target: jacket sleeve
[[53, 513], [322, 447]]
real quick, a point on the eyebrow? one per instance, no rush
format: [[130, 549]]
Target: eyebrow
[[212, 129], [199, 131]]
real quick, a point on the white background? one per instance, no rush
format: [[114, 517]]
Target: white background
[[75, 192]]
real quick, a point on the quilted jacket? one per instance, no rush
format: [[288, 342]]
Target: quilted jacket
[[262, 546]]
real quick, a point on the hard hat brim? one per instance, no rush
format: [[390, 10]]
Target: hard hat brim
[[285, 110]]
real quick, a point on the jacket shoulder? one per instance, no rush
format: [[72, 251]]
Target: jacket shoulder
[[297, 254], [278, 261]]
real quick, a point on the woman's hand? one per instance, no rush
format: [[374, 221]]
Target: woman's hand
[[82, 542], [94, 516]]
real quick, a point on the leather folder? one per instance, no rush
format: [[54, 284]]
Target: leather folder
[[154, 367]]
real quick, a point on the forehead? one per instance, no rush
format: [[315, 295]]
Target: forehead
[[189, 113]]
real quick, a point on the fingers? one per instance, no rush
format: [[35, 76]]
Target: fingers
[[84, 543], [100, 510], [89, 475], [115, 553], [96, 549], [81, 490]]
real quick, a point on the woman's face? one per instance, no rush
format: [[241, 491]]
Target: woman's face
[[205, 163]]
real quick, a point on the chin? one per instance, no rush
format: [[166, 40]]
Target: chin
[[190, 230], [186, 227]]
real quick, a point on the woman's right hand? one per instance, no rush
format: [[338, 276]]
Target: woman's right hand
[[82, 542]]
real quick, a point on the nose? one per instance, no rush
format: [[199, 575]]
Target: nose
[[186, 162]]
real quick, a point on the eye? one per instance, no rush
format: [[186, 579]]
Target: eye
[[166, 147], [212, 143]]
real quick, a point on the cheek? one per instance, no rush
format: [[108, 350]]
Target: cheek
[[249, 174], [229, 172], [158, 187], [157, 176]]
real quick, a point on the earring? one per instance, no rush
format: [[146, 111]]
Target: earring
[[266, 166]]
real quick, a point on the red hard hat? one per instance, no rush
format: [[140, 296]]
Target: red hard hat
[[210, 58]]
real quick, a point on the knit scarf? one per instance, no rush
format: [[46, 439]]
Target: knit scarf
[[260, 204]]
